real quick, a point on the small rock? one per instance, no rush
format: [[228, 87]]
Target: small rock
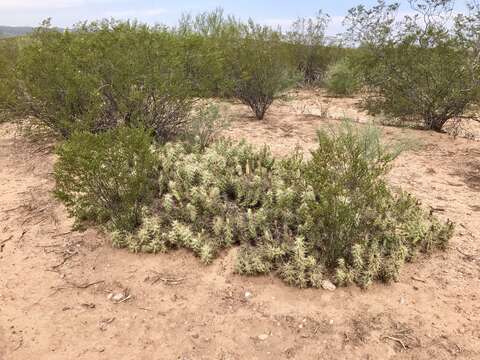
[[331, 322], [117, 297], [248, 295], [263, 337], [328, 285], [195, 336]]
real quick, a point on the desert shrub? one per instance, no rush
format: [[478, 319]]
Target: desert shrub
[[208, 40], [107, 177], [104, 74], [341, 79], [258, 69], [308, 48], [360, 225], [418, 67], [8, 85], [205, 125], [305, 220]]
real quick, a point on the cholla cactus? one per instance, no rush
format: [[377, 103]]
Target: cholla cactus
[[303, 221], [192, 212], [119, 239], [168, 203]]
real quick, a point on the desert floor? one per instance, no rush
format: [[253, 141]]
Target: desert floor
[[56, 284]]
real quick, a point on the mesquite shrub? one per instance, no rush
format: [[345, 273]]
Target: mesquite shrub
[[101, 75], [259, 69], [307, 47], [9, 49], [417, 68], [341, 79]]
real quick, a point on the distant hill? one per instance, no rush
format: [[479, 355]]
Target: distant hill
[[12, 31]]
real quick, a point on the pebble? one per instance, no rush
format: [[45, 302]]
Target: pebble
[[263, 337], [116, 297], [328, 285]]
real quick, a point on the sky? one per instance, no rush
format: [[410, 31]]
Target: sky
[[65, 13]]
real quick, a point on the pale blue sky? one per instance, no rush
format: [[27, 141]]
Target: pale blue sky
[[64, 13]]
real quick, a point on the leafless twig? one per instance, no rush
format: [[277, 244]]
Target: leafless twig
[[395, 339], [6, 240]]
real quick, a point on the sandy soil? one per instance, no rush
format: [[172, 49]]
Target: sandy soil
[[56, 285]]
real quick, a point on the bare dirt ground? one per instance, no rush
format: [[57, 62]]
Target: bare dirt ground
[[56, 285]]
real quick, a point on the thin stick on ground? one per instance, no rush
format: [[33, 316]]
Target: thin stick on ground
[[6, 240], [64, 260], [396, 340]]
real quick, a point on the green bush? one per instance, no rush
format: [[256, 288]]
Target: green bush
[[8, 86], [362, 229], [308, 49], [259, 70], [341, 79], [105, 74], [205, 125], [107, 177], [419, 68], [329, 217]]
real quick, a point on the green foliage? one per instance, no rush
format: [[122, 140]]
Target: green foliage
[[102, 75], [209, 41], [108, 176], [205, 125], [418, 68], [259, 69], [359, 224], [341, 79], [329, 217], [308, 49], [8, 57]]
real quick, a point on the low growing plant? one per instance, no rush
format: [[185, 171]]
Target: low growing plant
[[205, 125], [341, 79], [330, 217], [107, 177]]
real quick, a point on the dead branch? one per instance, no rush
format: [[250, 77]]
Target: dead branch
[[37, 212], [13, 209], [87, 285], [62, 234], [77, 286], [396, 340], [168, 281], [23, 233], [125, 299], [6, 240], [69, 256], [468, 256]]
